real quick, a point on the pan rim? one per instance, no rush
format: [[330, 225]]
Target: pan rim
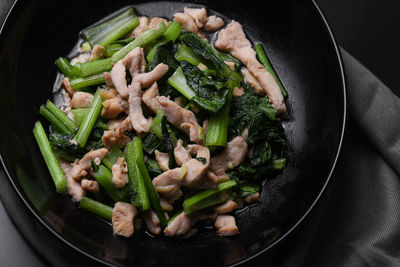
[[325, 24]]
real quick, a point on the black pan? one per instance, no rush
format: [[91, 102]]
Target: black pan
[[304, 54]]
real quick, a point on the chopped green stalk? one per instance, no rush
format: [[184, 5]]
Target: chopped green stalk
[[64, 156], [85, 47], [97, 66], [112, 49], [112, 29], [178, 81], [209, 197], [279, 164], [153, 196], [184, 52], [173, 217], [217, 133], [68, 123], [138, 193], [79, 114], [262, 57], [79, 83], [89, 120], [171, 34], [97, 208], [104, 177], [65, 67], [112, 156], [157, 124], [54, 121], [50, 159]]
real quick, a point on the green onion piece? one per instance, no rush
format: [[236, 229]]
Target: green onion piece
[[112, 156], [79, 114], [112, 29], [152, 194], [217, 133], [184, 52], [50, 159], [97, 208], [65, 67], [279, 164], [112, 49], [209, 197], [89, 120], [178, 81], [138, 193], [93, 67], [54, 121], [79, 83], [68, 123], [262, 57]]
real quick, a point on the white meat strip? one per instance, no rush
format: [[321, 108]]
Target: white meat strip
[[141, 28], [183, 223], [81, 168], [152, 221], [108, 93], [154, 22], [97, 53], [82, 58], [181, 154], [188, 23], [148, 78], [227, 207], [108, 80], [81, 100], [226, 225], [74, 187], [90, 185], [213, 23], [233, 154], [199, 15], [233, 40], [162, 160], [139, 123], [238, 91], [115, 135], [113, 107], [252, 198], [135, 62], [67, 86], [123, 217], [182, 118], [149, 97], [120, 173], [166, 205], [252, 81]]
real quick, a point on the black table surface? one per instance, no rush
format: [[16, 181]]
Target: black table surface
[[365, 28]]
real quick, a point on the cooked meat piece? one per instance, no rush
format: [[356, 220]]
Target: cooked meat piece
[[199, 15], [118, 77], [123, 124], [81, 100], [245, 134], [73, 186], [154, 22], [68, 87], [227, 207], [81, 168], [90, 185], [182, 118], [233, 155], [181, 154], [108, 93], [115, 135], [97, 53], [135, 62], [233, 40], [147, 79], [162, 160], [213, 23], [238, 91], [108, 80], [113, 107], [82, 58], [252, 198], [123, 219], [252, 81], [230, 64], [166, 205], [120, 173], [139, 123], [141, 28], [195, 168], [167, 184], [183, 223], [188, 23], [226, 225], [152, 222], [149, 97]]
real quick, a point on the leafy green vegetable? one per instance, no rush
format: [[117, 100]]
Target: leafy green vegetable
[[202, 160], [152, 166]]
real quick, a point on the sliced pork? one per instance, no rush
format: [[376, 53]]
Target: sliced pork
[[113, 107], [83, 166], [97, 53], [182, 224], [162, 160], [149, 97], [120, 173], [90, 185], [139, 123], [74, 187], [226, 207], [152, 222], [213, 23], [81, 100], [226, 225], [148, 78], [123, 217]]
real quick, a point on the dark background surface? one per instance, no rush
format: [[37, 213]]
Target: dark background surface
[[365, 28]]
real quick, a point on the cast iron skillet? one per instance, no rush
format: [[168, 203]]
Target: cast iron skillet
[[305, 55]]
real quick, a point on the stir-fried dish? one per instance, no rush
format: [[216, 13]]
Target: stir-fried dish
[[162, 129]]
